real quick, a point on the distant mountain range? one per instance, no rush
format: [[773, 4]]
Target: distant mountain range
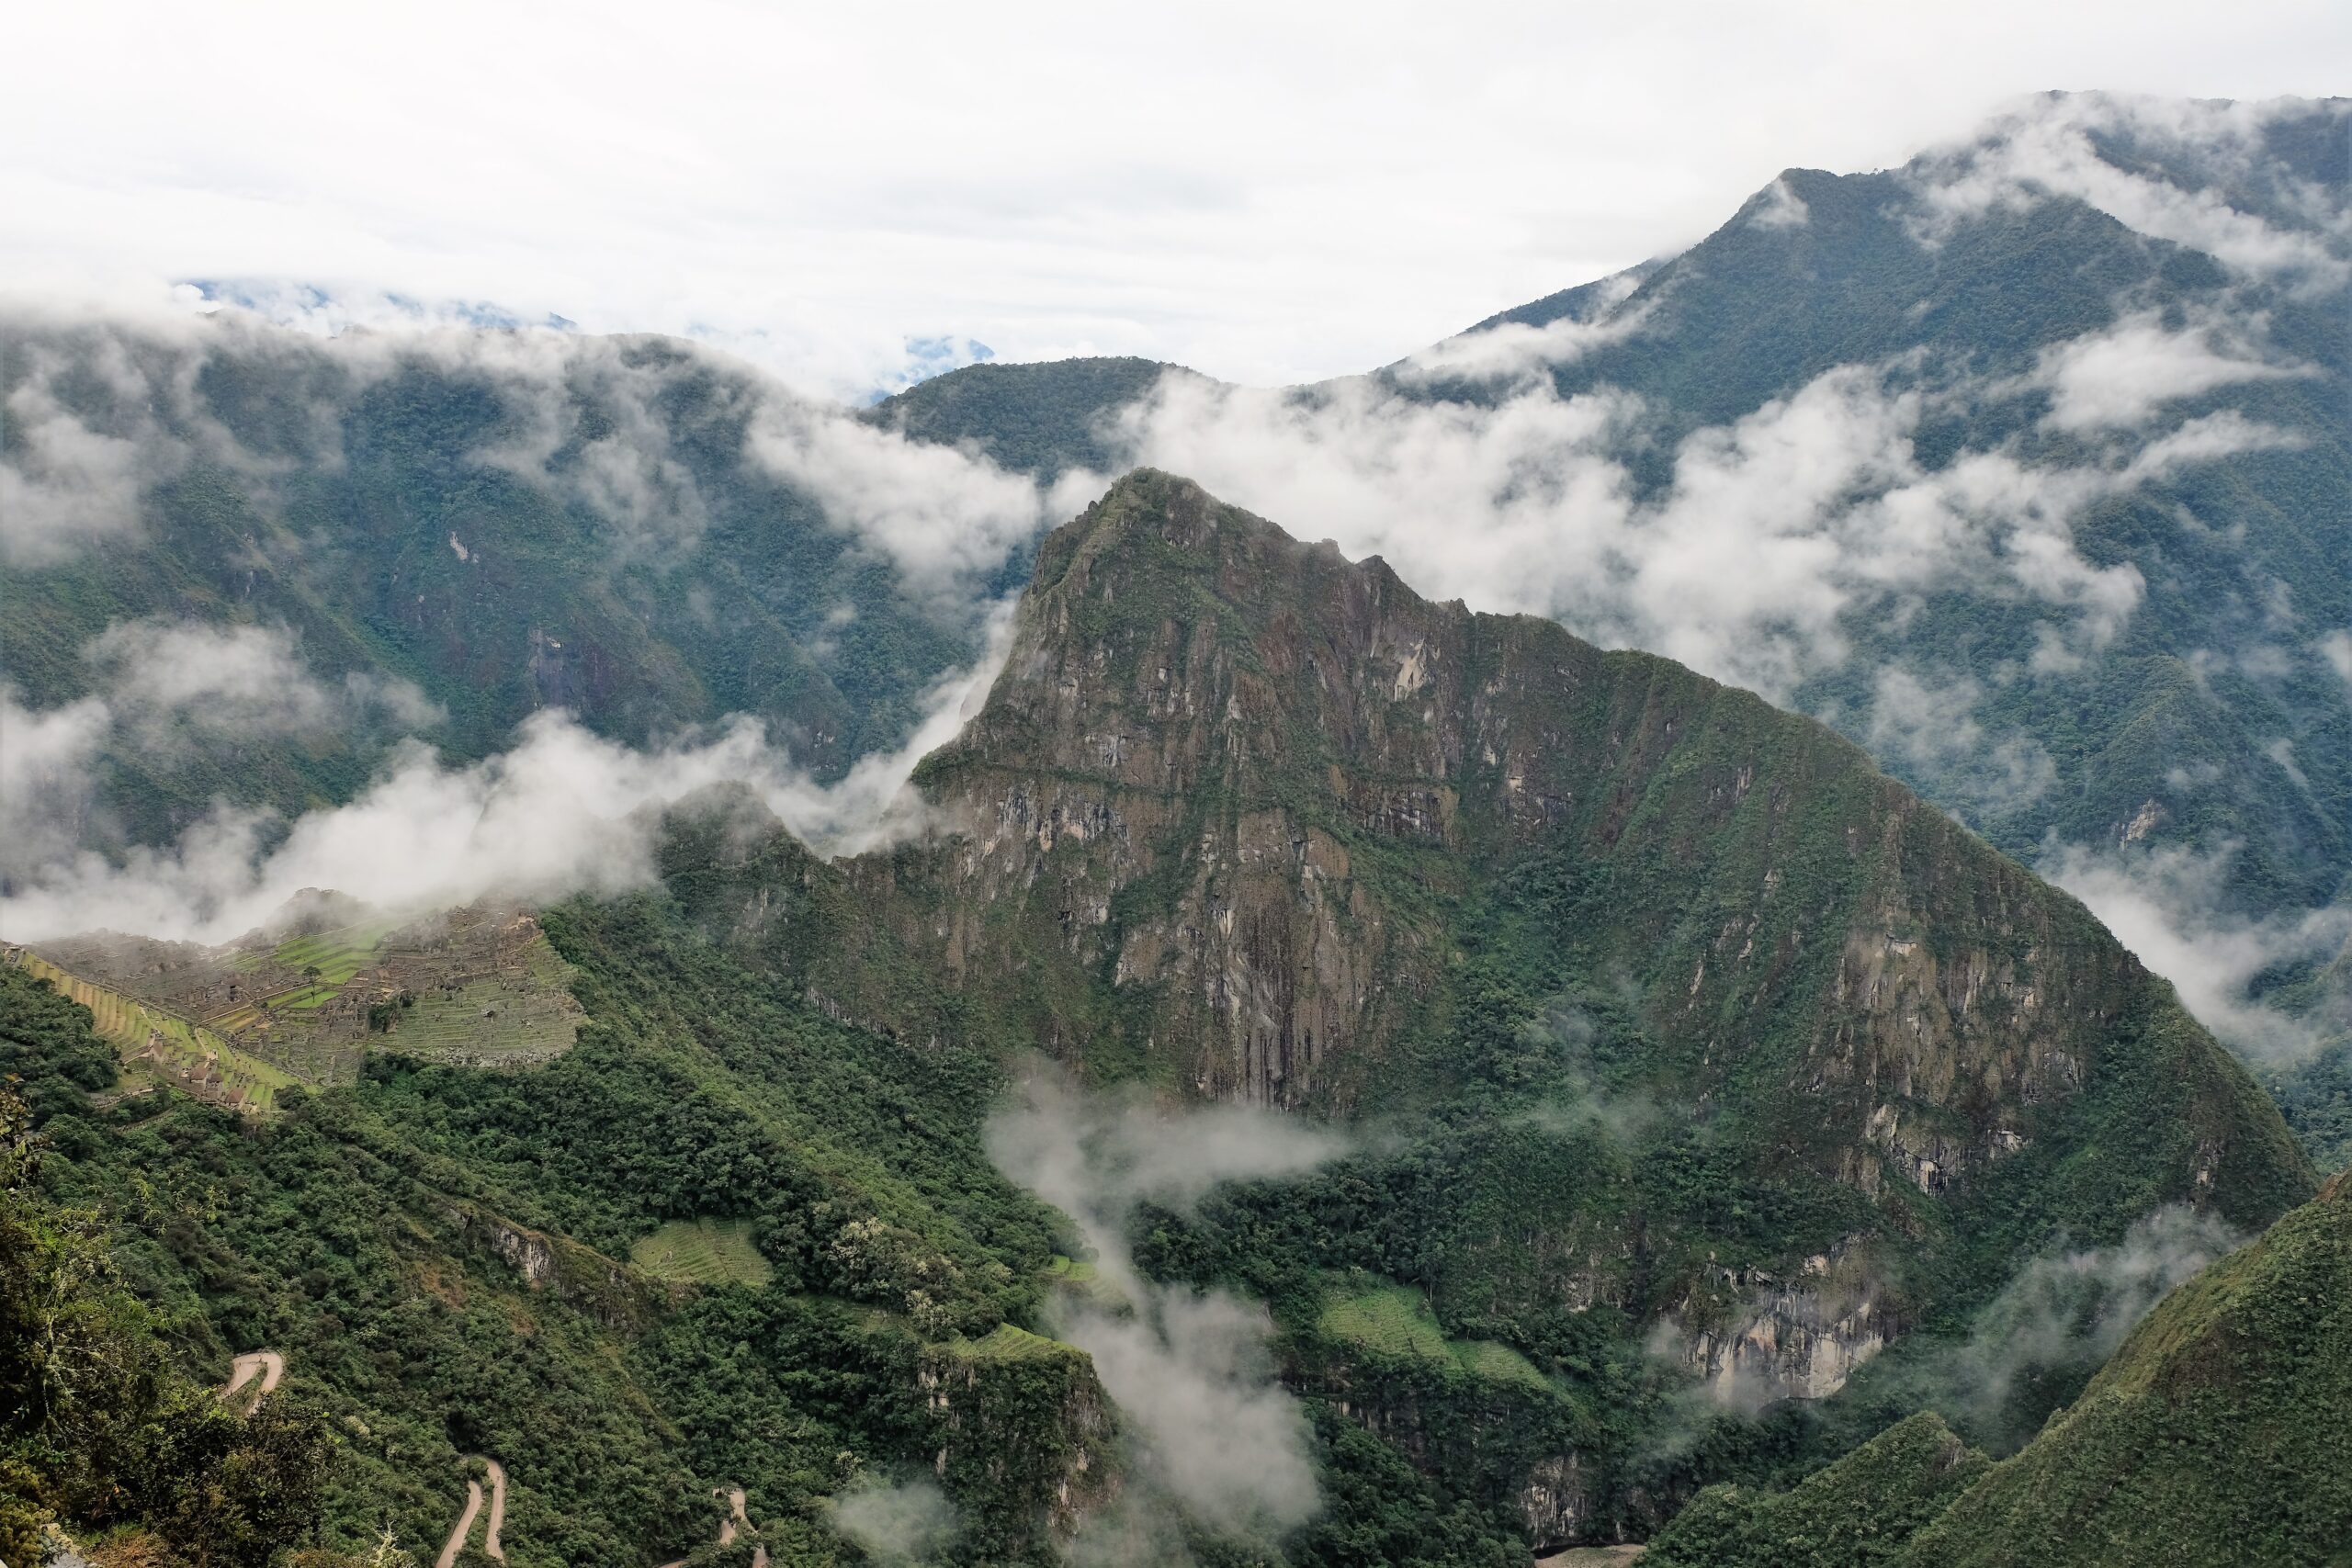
[[926, 981]]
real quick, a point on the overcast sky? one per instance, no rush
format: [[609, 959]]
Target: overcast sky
[[1269, 193]]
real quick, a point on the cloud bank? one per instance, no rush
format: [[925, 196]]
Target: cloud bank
[[104, 407], [1773, 530], [563, 812]]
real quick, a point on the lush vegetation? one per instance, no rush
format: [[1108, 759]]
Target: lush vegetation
[[2215, 1434], [100, 1426], [2213, 1437], [423, 1250], [2213, 717]]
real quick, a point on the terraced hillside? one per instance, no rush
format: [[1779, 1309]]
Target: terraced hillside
[[329, 981], [159, 1046]]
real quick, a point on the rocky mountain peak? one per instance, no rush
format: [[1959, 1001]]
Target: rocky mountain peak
[[1249, 813]]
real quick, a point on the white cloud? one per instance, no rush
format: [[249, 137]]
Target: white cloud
[[1189, 1371], [2073, 1309], [1774, 529], [1780, 208], [236, 680], [1337, 190], [909, 1522], [2336, 648], [939, 515], [1935, 729], [45, 757], [597, 423], [563, 812], [2047, 147], [65, 485], [2167, 906], [2121, 377], [1514, 351]]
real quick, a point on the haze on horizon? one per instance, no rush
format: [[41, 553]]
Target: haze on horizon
[[1270, 194]]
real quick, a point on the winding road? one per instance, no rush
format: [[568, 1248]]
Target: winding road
[[489, 1546], [729, 1528], [269, 1364]]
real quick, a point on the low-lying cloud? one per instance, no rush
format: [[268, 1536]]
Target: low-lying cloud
[[2121, 377], [1931, 727], [2050, 146], [1189, 1371], [1774, 530], [101, 410], [911, 1521], [160, 675], [2070, 1311], [2168, 905], [563, 812]]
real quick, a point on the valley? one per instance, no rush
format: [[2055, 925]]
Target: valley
[[1709, 924]]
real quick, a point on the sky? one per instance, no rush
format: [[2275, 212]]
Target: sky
[[1268, 193]]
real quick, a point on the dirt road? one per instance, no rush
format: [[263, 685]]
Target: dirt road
[[269, 1364], [465, 1526], [491, 1548], [497, 1510], [731, 1527]]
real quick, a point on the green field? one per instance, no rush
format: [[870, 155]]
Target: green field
[[338, 954], [1394, 1321], [702, 1252], [1007, 1343]]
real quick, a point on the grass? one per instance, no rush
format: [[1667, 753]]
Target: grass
[[1392, 1320], [702, 1252], [1010, 1344], [1080, 1278], [338, 954]]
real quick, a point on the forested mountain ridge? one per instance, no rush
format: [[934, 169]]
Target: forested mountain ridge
[[1601, 1187], [2204, 1440], [1249, 821], [217, 532], [1496, 1087], [2007, 299]]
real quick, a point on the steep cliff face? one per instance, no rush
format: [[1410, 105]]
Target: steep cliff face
[[1229, 807], [1024, 1433], [1794, 1338]]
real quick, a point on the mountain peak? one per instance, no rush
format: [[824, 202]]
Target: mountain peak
[[1256, 800]]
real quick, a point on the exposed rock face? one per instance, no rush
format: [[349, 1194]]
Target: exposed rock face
[[1226, 799], [1790, 1339], [1555, 1502], [1244, 820], [1022, 1428], [609, 1293]]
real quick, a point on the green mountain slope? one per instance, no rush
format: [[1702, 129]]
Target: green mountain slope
[[2215, 1436], [2205, 746], [437, 1254], [2180, 716], [1693, 1057], [1863, 1509]]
